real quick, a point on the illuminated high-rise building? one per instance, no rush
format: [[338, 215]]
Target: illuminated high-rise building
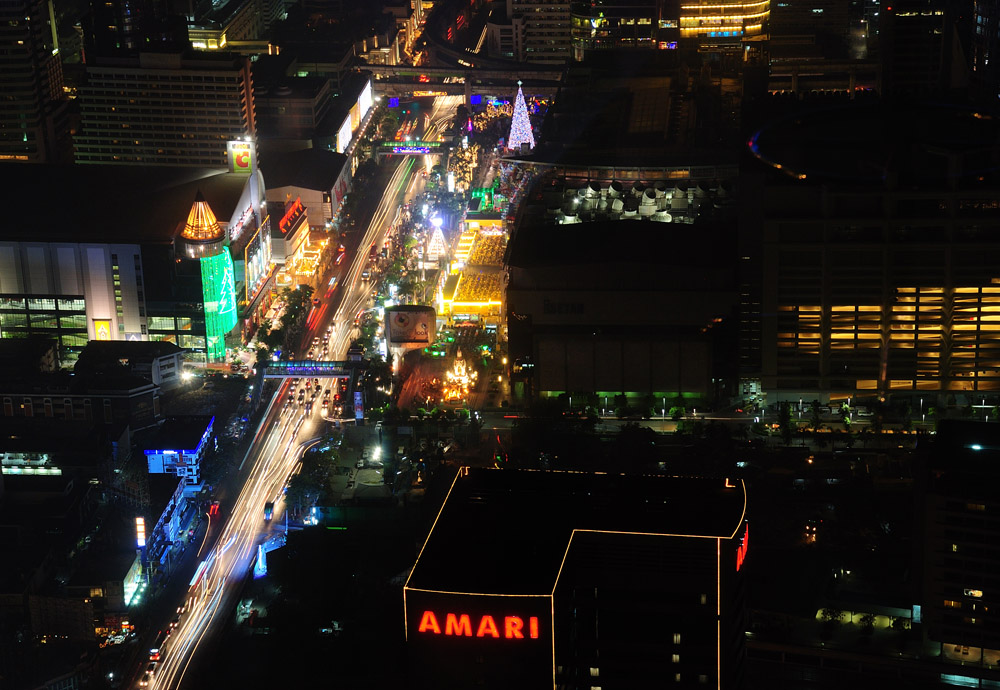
[[33, 125], [588, 580], [165, 109], [546, 29], [880, 255], [723, 21]]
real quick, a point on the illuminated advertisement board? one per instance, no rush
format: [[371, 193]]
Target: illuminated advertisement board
[[458, 639], [102, 329], [240, 156], [257, 262], [411, 324], [219, 296], [365, 99], [355, 116], [344, 136]]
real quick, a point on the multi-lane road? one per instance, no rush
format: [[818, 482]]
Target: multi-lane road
[[280, 438]]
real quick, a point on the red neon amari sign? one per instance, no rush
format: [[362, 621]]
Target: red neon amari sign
[[741, 553], [291, 215], [460, 625]]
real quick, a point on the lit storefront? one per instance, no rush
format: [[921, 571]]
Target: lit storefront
[[297, 257]]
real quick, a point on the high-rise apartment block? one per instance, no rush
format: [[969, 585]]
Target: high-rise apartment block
[[165, 109], [546, 28], [961, 522], [32, 106], [880, 254]]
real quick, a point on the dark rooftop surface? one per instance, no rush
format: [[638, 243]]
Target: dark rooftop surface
[[315, 169], [98, 353], [178, 433], [161, 489], [77, 439], [506, 531], [866, 143], [109, 203]]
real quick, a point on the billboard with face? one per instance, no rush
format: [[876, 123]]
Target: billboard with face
[[411, 325]]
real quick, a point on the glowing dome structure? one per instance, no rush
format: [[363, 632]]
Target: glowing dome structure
[[202, 235]]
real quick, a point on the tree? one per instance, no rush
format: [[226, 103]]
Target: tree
[[785, 422], [815, 418]]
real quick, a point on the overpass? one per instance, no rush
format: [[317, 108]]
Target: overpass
[[313, 369], [411, 148], [404, 80], [401, 88]]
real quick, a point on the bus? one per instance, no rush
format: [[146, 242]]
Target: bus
[[158, 650]]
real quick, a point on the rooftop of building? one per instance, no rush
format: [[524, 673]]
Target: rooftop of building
[[293, 87], [162, 488], [316, 169], [56, 382], [110, 203], [629, 109], [530, 517], [65, 439], [178, 433], [917, 144], [31, 352], [145, 350]]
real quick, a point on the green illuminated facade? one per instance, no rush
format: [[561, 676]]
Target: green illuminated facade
[[219, 296]]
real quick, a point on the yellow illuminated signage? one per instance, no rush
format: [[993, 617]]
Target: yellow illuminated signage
[[102, 329]]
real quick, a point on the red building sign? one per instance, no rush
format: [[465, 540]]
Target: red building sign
[[508, 627], [291, 215], [741, 552]]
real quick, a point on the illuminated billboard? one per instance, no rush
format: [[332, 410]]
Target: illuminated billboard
[[365, 99], [257, 262], [411, 324], [344, 136], [219, 296], [102, 329], [240, 156], [507, 638]]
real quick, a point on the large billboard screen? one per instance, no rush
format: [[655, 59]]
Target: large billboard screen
[[344, 135], [365, 100], [257, 262], [218, 290], [411, 325], [464, 640]]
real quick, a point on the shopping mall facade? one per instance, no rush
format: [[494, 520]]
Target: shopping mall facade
[[179, 254]]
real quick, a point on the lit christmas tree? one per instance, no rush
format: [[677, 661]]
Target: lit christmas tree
[[520, 125]]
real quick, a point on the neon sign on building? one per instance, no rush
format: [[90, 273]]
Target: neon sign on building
[[460, 625], [291, 215], [741, 552]]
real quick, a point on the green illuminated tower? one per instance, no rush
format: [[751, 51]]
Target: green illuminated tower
[[219, 296], [203, 241]]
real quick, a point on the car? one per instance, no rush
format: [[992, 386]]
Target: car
[[340, 257], [175, 622], [315, 340], [151, 669], [308, 383], [183, 607], [309, 355], [315, 301], [144, 683], [309, 407]]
